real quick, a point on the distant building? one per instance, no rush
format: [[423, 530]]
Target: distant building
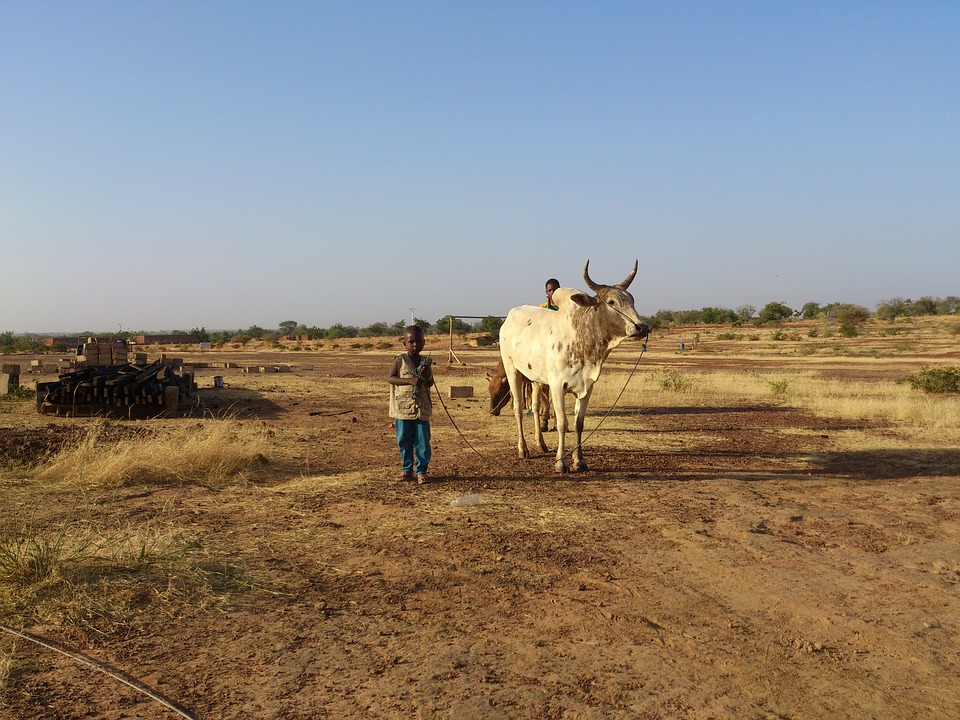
[[69, 342], [164, 340]]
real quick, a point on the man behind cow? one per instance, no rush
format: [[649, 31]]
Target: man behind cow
[[551, 285]]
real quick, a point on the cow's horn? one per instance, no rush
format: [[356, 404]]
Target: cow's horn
[[586, 277], [633, 273]]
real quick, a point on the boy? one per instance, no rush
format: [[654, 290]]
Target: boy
[[411, 378], [551, 285]]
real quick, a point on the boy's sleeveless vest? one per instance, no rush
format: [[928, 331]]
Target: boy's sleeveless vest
[[407, 402]]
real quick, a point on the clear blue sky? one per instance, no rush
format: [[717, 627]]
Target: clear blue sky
[[169, 165]]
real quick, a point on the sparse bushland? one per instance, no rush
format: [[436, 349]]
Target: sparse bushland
[[886, 401]]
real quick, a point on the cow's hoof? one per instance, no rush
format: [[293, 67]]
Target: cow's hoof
[[580, 467], [561, 467]]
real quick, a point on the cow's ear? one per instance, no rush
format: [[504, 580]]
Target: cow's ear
[[583, 300]]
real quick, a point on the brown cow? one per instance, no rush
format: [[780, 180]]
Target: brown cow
[[500, 395]]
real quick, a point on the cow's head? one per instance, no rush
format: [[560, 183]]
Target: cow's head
[[615, 303], [499, 389], [499, 394]]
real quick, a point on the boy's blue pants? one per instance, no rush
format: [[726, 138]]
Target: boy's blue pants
[[413, 440]]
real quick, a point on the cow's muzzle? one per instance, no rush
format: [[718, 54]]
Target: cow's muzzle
[[643, 330]]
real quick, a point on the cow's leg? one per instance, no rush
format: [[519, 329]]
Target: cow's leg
[[556, 396], [536, 396], [580, 410], [513, 378]]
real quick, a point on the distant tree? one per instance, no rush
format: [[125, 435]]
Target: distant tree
[[686, 317], [892, 308], [652, 321], [491, 325], [287, 327], [256, 332], [774, 312], [924, 306], [810, 310], [422, 324], [717, 316], [664, 317], [746, 312], [443, 325], [377, 329], [201, 334], [399, 325], [850, 315], [949, 305], [339, 330]]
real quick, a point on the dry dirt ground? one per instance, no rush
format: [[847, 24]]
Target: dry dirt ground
[[716, 561]]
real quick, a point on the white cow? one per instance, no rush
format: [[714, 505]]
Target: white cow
[[565, 349]]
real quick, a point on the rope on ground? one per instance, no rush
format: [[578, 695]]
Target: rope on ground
[[99, 665], [569, 452]]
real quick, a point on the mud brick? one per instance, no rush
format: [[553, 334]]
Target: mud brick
[[9, 382], [171, 399], [461, 391]]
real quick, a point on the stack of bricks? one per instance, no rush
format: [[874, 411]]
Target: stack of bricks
[[9, 379], [94, 353]]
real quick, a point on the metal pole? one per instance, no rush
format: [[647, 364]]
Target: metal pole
[[452, 355]]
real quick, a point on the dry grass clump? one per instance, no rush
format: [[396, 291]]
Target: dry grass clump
[[107, 581], [210, 453]]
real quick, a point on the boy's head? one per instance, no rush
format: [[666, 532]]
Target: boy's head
[[551, 285], [413, 338]]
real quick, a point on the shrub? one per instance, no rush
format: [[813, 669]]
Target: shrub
[[936, 380], [780, 335], [674, 380], [778, 387]]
